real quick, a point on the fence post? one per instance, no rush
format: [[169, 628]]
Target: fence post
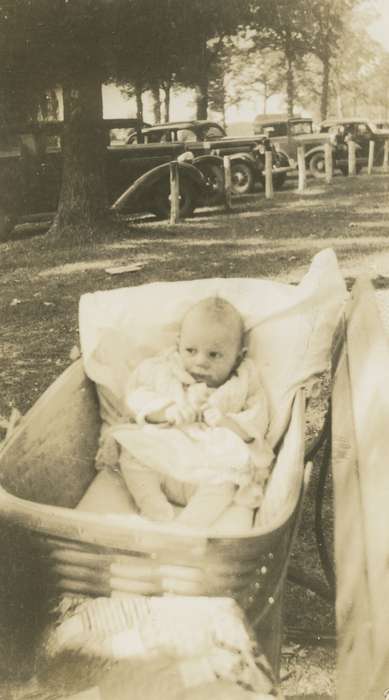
[[386, 156], [268, 175], [227, 182], [328, 162], [370, 162], [352, 164], [302, 181], [174, 193]]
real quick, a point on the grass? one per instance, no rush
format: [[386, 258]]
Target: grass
[[41, 286]]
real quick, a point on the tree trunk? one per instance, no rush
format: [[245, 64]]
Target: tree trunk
[[139, 103], [202, 83], [265, 97], [202, 99], [325, 89], [338, 97], [290, 89], [82, 210], [166, 102], [223, 100], [156, 99]]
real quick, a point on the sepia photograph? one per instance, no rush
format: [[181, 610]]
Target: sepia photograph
[[194, 349]]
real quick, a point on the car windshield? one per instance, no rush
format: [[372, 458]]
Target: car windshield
[[278, 129], [213, 132], [301, 128], [362, 129], [186, 135], [162, 136], [120, 136]]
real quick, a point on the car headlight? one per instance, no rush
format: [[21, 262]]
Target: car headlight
[[277, 147], [187, 157]]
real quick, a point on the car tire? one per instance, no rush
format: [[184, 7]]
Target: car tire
[[161, 199], [214, 175], [317, 165], [7, 223], [242, 178]]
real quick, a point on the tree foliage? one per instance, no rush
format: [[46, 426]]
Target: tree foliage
[[155, 44], [284, 26]]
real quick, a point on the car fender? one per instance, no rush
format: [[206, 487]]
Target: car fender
[[285, 156], [208, 160], [312, 151], [337, 151], [148, 180], [243, 158]]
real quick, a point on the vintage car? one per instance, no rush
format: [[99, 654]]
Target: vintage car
[[286, 132], [31, 173], [283, 130], [204, 138], [289, 133], [361, 131]]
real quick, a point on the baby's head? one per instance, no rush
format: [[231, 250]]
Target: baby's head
[[211, 341]]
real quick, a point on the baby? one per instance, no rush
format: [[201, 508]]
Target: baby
[[203, 408]]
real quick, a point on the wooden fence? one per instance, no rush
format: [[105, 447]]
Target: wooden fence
[[304, 140]]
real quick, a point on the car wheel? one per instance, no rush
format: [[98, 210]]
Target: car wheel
[[160, 205], [242, 178], [317, 165], [214, 176], [7, 222]]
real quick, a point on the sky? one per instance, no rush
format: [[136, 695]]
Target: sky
[[379, 29], [116, 106]]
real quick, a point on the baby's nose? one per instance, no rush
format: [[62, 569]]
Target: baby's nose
[[202, 360]]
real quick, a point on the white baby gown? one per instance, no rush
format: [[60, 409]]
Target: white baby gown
[[196, 453]]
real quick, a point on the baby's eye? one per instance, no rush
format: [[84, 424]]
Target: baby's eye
[[215, 355], [190, 351]]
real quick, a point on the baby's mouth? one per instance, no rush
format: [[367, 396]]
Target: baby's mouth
[[200, 376]]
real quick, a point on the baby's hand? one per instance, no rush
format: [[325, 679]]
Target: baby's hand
[[180, 414], [212, 416], [108, 453], [198, 395]]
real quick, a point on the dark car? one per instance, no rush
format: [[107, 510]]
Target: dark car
[[291, 132], [283, 130], [204, 138], [31, 173], [341, 131], [360, 130]]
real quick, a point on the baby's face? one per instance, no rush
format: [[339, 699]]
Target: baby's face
[[209, 350]]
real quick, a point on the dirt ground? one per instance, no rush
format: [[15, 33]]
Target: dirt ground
[[41, 286]]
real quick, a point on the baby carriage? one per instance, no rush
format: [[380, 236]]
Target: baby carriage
[[47, 464]]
